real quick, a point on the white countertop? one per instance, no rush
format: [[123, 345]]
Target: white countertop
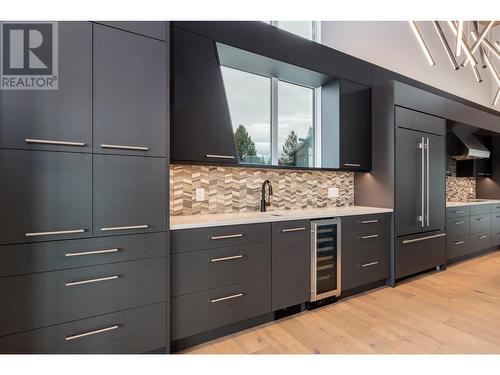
[[465, 203], [214, 220]]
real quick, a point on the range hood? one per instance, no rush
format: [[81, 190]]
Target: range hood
[[467, 146]]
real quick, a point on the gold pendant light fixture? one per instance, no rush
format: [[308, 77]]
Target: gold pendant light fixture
[[477, 42]]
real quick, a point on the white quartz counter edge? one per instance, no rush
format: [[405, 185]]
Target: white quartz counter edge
[[461, 204], [215, 220]]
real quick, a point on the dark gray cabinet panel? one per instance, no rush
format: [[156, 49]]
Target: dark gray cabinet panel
[[480, 223], [480, 241], [291, 263], [56, 255], [457, 227], [153, 29], [457, 247], [130, 93], [48, 298], [452, 212], [194, 271], [436, 180], [363, 271], [223, 236], [418, 121], [410, 198], [55, 115], [129, 194], [480, 209], [413, 257], [132, 331], [495, 208], [467, 115], [201, 124], [44, 192], [420, 100], [365, 236], [355, 126], [199, 312]]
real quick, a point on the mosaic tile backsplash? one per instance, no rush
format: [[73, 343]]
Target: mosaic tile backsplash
[[460, 188], [229, 189]]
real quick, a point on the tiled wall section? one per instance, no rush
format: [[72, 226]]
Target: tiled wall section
[[238, 189], [460, 188]]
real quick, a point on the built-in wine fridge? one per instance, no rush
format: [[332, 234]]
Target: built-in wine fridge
[[325, 259]]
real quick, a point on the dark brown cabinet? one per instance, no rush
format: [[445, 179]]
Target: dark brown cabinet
[[129, 195], [130, 93], [61, 119], [291, 263], [45, 195]]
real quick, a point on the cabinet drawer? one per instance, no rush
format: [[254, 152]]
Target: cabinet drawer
[[495, 237], [129, 195], [199, 312], [480, 223], [59, 120], [363, 240], [457, 247], [457, 227], [362, 271], [359, 225], [480, 241], [480, 209], [452, 212], [132, 331], [208, 269], [44, 196], [495, 207], [414, 254], [130, 115], [495, 221], [44, 299], [213, 237], [56, 255]]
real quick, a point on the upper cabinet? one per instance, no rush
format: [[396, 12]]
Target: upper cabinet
[[470, 116], [201, 125], [130, 93], [59, 120], [234, 106]]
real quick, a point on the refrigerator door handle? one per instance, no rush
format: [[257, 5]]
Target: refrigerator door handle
[[421, 146], [427, 149]]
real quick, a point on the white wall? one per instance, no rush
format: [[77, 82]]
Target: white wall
[[392, 45]]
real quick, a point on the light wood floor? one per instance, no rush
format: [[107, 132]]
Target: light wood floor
[[456, 311]]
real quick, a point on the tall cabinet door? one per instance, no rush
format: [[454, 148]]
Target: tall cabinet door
[[410, 168], [436, 206], [130, 93], [45, 195], [59, 119]]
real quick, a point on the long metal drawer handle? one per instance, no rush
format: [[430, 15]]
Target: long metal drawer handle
[[458, 242], [93, 252], [102, 330], [370, 236], [459, 212], [459, 222], [107, 229], [81, 282], [369, 221], [369, 264], [52, 233], [423, 238], [226, 236], [52, 142], [226, 298], [219, 156], [213, 260], [125, 147], [482, 237], [480, 218], [352, 165], [293, 229]]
